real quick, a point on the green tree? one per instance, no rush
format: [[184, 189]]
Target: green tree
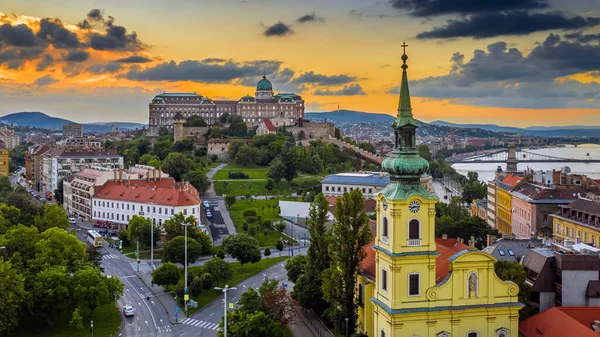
[[195, 121], [176, 165], [51, 293], [214, 132], [207, 281], [288, 158], [267, 251], [241, 323], [246, 156], [174, 226], [350, 233], [58, 192], [12, 295], [155, 162], [94, 257], [174, 250], [515, 272], [367, 147], [57, 248], [234, 147], [473, 190], [276, 171], [425, 152], [139, 229], [279, 246], [167, 274], [465, 228], [196, 286], [92, 289], [53, 216], [198, 179], [147, 157], [251, 301], [162, 148], [237, 126], [229, 201], [295, 267], [76, 320], [186, 145], [5, 188], [20, 240], [242, 247]]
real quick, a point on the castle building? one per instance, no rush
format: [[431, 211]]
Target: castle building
[[286, 107], [411, 289]]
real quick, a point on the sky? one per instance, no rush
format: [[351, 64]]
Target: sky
[[509, 62]]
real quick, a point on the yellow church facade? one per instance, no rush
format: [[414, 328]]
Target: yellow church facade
[[410, 284]]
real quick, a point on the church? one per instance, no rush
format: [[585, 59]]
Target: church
[[412, 284]]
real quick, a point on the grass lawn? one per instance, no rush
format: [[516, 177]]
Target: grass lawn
[[252, 187], [254, 172], [144, 252], [107, 320], [238, 276], [267, 210]]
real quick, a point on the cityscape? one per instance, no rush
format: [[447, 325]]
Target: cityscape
[[398, 168]]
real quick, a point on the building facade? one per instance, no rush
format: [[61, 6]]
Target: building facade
[[10, 138], [491, 203], [118, 201], [264, 104], [405, 295], [504, 207], [4, 160], [72, 130], [578, 221], [369, 183]]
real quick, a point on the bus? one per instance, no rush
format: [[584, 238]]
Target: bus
[[94, 238]]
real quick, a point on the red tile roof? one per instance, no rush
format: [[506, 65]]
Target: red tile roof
[[453, 244], [511, 179], [269, 125], [165, 192], [561, 322]]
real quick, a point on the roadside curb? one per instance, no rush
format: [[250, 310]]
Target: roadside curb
[[182, 315]]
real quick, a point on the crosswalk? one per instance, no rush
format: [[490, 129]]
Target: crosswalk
[[201, 324], [109, 257]]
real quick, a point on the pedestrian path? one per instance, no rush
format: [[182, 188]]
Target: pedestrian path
[[201, 324], [109, 257]]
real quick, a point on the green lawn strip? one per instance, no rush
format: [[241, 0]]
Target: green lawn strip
[[267, 210], [253, 172], [239, 275], [107, 321], [250, 187]]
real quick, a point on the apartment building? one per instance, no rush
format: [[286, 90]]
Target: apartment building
[[4, 160]]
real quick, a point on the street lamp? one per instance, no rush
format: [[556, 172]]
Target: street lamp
[[225, 306], [185, 289], [152, 237], [92, 326], [346, 326]]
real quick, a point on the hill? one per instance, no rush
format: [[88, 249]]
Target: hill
[[349, 116], [541, 131], [38, 119]]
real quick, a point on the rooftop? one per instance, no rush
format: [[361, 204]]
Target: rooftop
[[164, 192], [512, 250], [269, 125], [540, 194], [561, 322], [358, 178]]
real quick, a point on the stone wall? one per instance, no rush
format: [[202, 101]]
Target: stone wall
[[310, 131]]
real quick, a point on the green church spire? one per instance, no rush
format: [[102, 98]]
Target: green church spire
[[405, 115]]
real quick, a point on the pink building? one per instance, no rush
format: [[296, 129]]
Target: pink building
[[521, 218]]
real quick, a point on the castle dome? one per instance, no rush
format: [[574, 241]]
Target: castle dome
[[264, 84]]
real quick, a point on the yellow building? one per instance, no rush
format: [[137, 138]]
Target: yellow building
[[406, 295], [504, 203], [578, 221], [4, 160]]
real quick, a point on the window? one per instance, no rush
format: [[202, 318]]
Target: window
[[370, 190], [384, 228], [413, 285], [501, 252], [473, 334], [159, 210], [185, 211], [148, 210], [360, 294], [545, 218], [326, 188], [133, 207], [414, 229], [172, 209], [383, 279], [127, 206], [586, 237], [382, 333], [511, 252], [193, 211]]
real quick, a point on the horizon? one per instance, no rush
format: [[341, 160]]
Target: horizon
[[77, 60]]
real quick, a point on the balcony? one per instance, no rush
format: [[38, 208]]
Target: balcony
[[414, 242]]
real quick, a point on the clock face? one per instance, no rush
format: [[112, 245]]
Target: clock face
[[414, 206]]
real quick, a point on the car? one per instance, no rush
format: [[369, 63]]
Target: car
[[128, 311], [445, 197], [206, 204], [209, 214], [72, 220]]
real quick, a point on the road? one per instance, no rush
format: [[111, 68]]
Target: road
[[440, 191]]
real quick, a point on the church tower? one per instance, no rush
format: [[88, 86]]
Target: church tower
[[405, 243]]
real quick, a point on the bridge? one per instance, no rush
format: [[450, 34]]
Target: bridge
[[523, 156]]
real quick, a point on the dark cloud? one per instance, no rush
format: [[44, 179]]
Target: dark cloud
[[110, 67], [583, 38], [487, 25], [428, 8], [76, 56], [19, 36], [115, 37], [309, 18], [320, 79], [134, 59], [278, 29], [45, 81], [53, 31], [94, 16], [199, 71], [14, 58], [214, 60], [45, 62], [350, 90]]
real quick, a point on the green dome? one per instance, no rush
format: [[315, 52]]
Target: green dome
[[264, 84], [407, 165]]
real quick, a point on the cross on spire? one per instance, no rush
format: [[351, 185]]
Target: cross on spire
[[404, 45]]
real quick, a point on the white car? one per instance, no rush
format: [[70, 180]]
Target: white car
[[128, 311], [209, 214], [72, 220]]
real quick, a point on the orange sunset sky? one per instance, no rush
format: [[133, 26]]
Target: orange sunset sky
[[518, 63]]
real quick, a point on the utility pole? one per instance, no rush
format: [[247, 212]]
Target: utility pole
[[225, 307], [185, 289], [152, 237], [137, 253]]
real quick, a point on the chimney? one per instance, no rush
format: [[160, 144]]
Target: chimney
[[596, 326], [115, 175], [159, 174], [148, 174], [444, 236], [128, 181]]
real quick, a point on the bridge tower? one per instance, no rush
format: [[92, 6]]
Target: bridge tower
[[511, 161]]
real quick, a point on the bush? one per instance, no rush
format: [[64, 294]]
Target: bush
[[268, 224], [196, 286], [265, 232], [280, 226], [267, 251], [237, 175], [207, 281], [221, 254], [250, 212], [214, 158], [251, 219], [122, 235], [245, 226], [167, 274], [270, 185], [252, 231], [179, 288]]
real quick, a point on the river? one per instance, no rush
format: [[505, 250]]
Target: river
[[592, 170]]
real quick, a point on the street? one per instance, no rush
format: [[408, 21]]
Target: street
[[440, 191]]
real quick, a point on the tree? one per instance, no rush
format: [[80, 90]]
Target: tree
[[155, 162], [139, 229], [58, 192], [473, 190], [288, 158], [276, 171], [162, 148], [5, 188], [51, 293], [174, 226], [11, 296], [92, 289], [279, 246], [219, 269], [174, 250], [425, 152], [246, 156], [229, 201], [295, 267], [242, 247], [94, 257], [167, 274], [350, 233], [246, 324], [186, 145], [56, 248], [207, 281], [198, 179], [53, 216], [237, 126], [515, 272], [147, 157], [214, 132], [195, 121], [196, 286], [367, 147], [234, 147], [76, 320], [176, 165], [267, 251], [465, 228], [22, 240]]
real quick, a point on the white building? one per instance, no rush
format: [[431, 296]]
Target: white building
[[369, 183], [118, 201], [10, 138]]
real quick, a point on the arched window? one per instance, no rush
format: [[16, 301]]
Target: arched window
[[473, 284], [502, 332], [384, 227], [414, 229], [473, 334]]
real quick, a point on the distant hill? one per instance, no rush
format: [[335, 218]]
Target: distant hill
[[41, 120], [542, 131], [349, 116]]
